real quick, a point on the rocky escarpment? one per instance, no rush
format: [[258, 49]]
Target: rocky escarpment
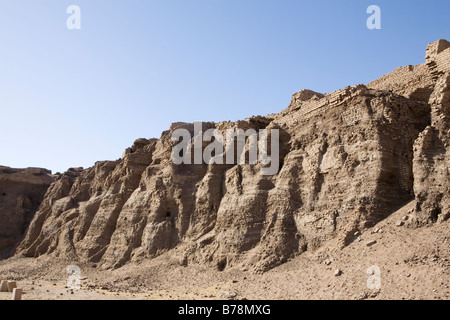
[[21, 193], [346, 162]]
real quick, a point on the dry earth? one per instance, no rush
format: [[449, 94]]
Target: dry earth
[[414, 263]]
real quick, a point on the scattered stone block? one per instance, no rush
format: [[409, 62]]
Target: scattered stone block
[[400, 223], [4, 286], [337, 272], [16, 294]]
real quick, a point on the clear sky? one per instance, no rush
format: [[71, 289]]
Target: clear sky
[[69, 98]]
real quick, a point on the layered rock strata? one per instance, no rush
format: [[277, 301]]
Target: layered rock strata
[[347, 160]]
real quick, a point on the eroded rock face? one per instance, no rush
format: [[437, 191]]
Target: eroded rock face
[[432, 159], [428, 82], [21, 193], [346, 162]]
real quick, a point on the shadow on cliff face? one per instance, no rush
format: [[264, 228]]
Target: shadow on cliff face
[[21, 193]]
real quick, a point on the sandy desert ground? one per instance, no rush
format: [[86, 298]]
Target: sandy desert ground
[[414, 264]]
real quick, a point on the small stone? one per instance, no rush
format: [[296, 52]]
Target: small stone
[[400, 223], [328, 262], [229, 295], [364, 296], [357, 233], [371, 243], [337, 272]]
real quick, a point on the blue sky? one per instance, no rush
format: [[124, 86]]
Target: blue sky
[[69, 98]]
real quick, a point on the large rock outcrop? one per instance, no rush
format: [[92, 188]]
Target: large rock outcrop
[[346, 162], [432, 148], [428, 82], [21, 193]]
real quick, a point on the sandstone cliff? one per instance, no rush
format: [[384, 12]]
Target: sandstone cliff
[[347, 160]]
